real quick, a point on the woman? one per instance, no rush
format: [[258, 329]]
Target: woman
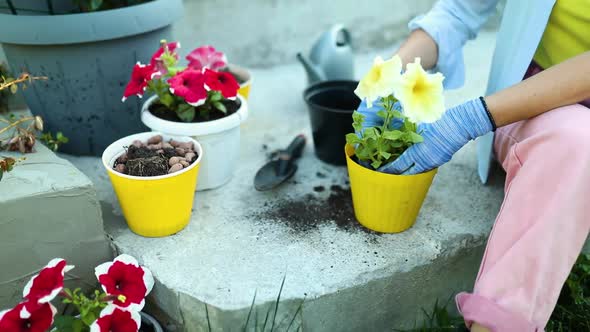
[[542, 141]]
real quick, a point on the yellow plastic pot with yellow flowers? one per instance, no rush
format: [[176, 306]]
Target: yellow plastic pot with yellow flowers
[[387, 123]]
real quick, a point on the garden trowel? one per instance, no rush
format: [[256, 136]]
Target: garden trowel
[[281, 168]]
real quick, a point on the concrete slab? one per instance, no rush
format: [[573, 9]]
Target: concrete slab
[[48, 209], [241, 242]]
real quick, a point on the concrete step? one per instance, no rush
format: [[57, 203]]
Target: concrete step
[[241, 242], [48, 209]]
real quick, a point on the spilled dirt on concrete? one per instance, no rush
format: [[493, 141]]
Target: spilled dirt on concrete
[[307, 213]]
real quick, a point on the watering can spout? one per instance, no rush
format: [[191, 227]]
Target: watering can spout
[[314, 73]]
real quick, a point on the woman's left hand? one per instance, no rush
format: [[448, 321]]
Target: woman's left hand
[[442, 139]]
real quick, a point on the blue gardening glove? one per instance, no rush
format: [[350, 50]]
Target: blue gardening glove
[[443, 138], [371, 117]]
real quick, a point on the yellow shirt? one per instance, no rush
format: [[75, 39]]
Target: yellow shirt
[[567, 33]]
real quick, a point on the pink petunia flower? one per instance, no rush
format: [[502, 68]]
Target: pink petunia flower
[[125, 279], [39, 321], [190, 85], [206, 57], [156, 60], [223, 82], [45, 286], [140, 76], [114, 319]]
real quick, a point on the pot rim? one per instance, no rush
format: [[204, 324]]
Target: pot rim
[[246, 74], [349, 151], [115, 149], [313, 89], [90, 27], [194, 128]]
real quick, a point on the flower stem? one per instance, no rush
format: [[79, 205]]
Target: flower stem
[[16, 123]]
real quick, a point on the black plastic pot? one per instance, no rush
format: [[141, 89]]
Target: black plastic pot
[[331, 104]]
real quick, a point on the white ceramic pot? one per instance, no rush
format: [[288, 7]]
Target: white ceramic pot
[[220, 140]]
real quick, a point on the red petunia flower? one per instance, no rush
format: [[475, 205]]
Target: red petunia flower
[[223, 82], [157, 61], [114, 319], [190, 85], [39, 321], [125, 279], [206, 57], [45, 286], [140, 76]]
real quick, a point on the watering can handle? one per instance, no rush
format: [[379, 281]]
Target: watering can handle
[[340, 35]]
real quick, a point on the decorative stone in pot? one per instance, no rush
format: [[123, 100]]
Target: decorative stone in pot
[[154, 181]]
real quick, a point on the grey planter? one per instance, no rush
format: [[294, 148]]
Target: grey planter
[[88, 58]]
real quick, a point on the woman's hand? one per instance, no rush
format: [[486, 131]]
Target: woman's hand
[[443, 138]]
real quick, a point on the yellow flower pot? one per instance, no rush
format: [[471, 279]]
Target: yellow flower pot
[[386, 203], [245, 76], [154, 206]]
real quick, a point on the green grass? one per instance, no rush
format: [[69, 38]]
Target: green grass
[[270, 323], [572, 313]]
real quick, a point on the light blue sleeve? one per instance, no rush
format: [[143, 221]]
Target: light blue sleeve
[[451, 23]]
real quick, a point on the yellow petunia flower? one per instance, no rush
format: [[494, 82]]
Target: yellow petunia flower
[[420, 93], [380, 80]]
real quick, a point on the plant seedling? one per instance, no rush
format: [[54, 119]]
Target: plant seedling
[[382, 144]]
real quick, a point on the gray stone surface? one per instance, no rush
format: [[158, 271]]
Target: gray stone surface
[[264, 33], [48, 209], [238, 242]]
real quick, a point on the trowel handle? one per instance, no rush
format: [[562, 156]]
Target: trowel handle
[[295, 149], [288, 156]]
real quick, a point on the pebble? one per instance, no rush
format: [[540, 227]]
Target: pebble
[[160, 151], [186, 145], [155, 139], [157, 146], [137, 143], [189, 156], [175, 168], [173, 161], [184, 163], [123, 158], [174, 143], [167, 146], [180, 151], [120, 168]]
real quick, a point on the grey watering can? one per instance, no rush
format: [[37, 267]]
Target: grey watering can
[[330, 58]]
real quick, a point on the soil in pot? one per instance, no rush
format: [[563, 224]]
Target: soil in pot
[[155, 157], [163, 112]]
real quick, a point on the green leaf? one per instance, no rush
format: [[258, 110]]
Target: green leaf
[[220, 107], [352, 139], [61, 138], [376, 164], [14, 88], [185, 112], [382, 114], [393, 135], [68, 324], [414, 137], [166, 99], [95, 4], [370, 133], [385, 154], [357, 121], [215, 96]]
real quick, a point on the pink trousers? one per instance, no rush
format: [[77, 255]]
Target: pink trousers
[[542, 225]]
